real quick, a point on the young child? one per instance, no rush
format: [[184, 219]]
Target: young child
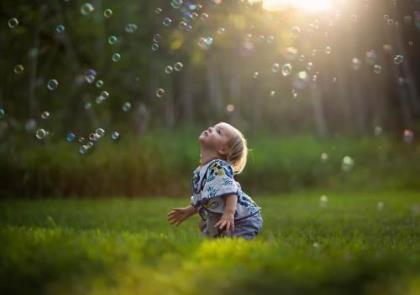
[[224, 208]]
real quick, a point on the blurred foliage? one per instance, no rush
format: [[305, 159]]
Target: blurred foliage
[[161, 163]]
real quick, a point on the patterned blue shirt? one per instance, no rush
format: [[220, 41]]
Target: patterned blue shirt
[[214, 181]]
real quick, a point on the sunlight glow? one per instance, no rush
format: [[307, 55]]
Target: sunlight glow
[[311, 5]]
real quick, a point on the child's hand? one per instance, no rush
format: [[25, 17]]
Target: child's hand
[[227, 220], [178, 215]]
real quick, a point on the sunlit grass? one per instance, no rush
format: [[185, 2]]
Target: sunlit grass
[[125, 246]]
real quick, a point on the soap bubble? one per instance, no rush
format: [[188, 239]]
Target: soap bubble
[[70, 137], [156, 38], [167, 21], [347, 163], [112, 40], [380, 206], [286, 70], [377, 69], [84, 149], [45, 115], [103, 96], [290, 53], [356, 63], [87, 8], [270, 39], [178, 66], [116, 57], [230, 108], [13, 22], [205, 42], [296, 31], [60, 29], [115, 135], [398, 59], [158, 10], [100, 132], [324, 157], [255, 75], [18, 69], [160, 92], [408, 136], [176, 4], [169, 69], [294, 93], [52, 84], [275, 68], [272, 93], [328, 50], [93, 137], [221, 30], [2, 113], [204, 16], [88, 106], [131, 28], [378, 130], [126, 106], [41, 133], [155, 46], [323, 201], [107, 12], [371, 57], [90, 76], [99, 83]]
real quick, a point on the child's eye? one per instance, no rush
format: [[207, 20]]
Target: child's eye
[[218, 131]]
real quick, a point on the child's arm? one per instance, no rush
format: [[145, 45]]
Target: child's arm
[[227, 218], [178, 215]]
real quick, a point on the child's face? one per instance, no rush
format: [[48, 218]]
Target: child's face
[[216, 137]]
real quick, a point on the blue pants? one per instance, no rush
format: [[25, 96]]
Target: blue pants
[[247, 228]]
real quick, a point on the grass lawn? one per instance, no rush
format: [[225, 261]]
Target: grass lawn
[[357, 243]]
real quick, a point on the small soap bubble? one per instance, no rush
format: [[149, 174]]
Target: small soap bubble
[[99, 83], [41, 133], [18, 69], [377, 69], [380, 206], [398, 59], [160, 92], [230, 108], [2, 113], [296, 31], [115, 135], [131, 28], [323, 201], [126, 107], [272, 93], [52, 84], [286, 69], [158, 10], [204, 16], [103, 96], [316, 245], [155, 46], [84, 149], [205, 42], [116, 57], [255, 75], [371, 57], [60, 29], [70, 137], [100, 132], [93, 137], [328, 50], [112, 40], [13, 22], [167, 21], [270, 39], [82, 139], [408, 136], [87, 9], [45, 115], [275, 68], [356, 63], [178, 66], [324, 157], [294, 93], [347, 163], [169, 69], [176, 3], [378, 130], [107, 13], [88, 106], [221, 31], [156, 38]]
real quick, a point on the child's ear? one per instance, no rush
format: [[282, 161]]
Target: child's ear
[[223, 150]]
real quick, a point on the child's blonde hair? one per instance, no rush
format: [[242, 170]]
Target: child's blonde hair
[[238, 151]]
